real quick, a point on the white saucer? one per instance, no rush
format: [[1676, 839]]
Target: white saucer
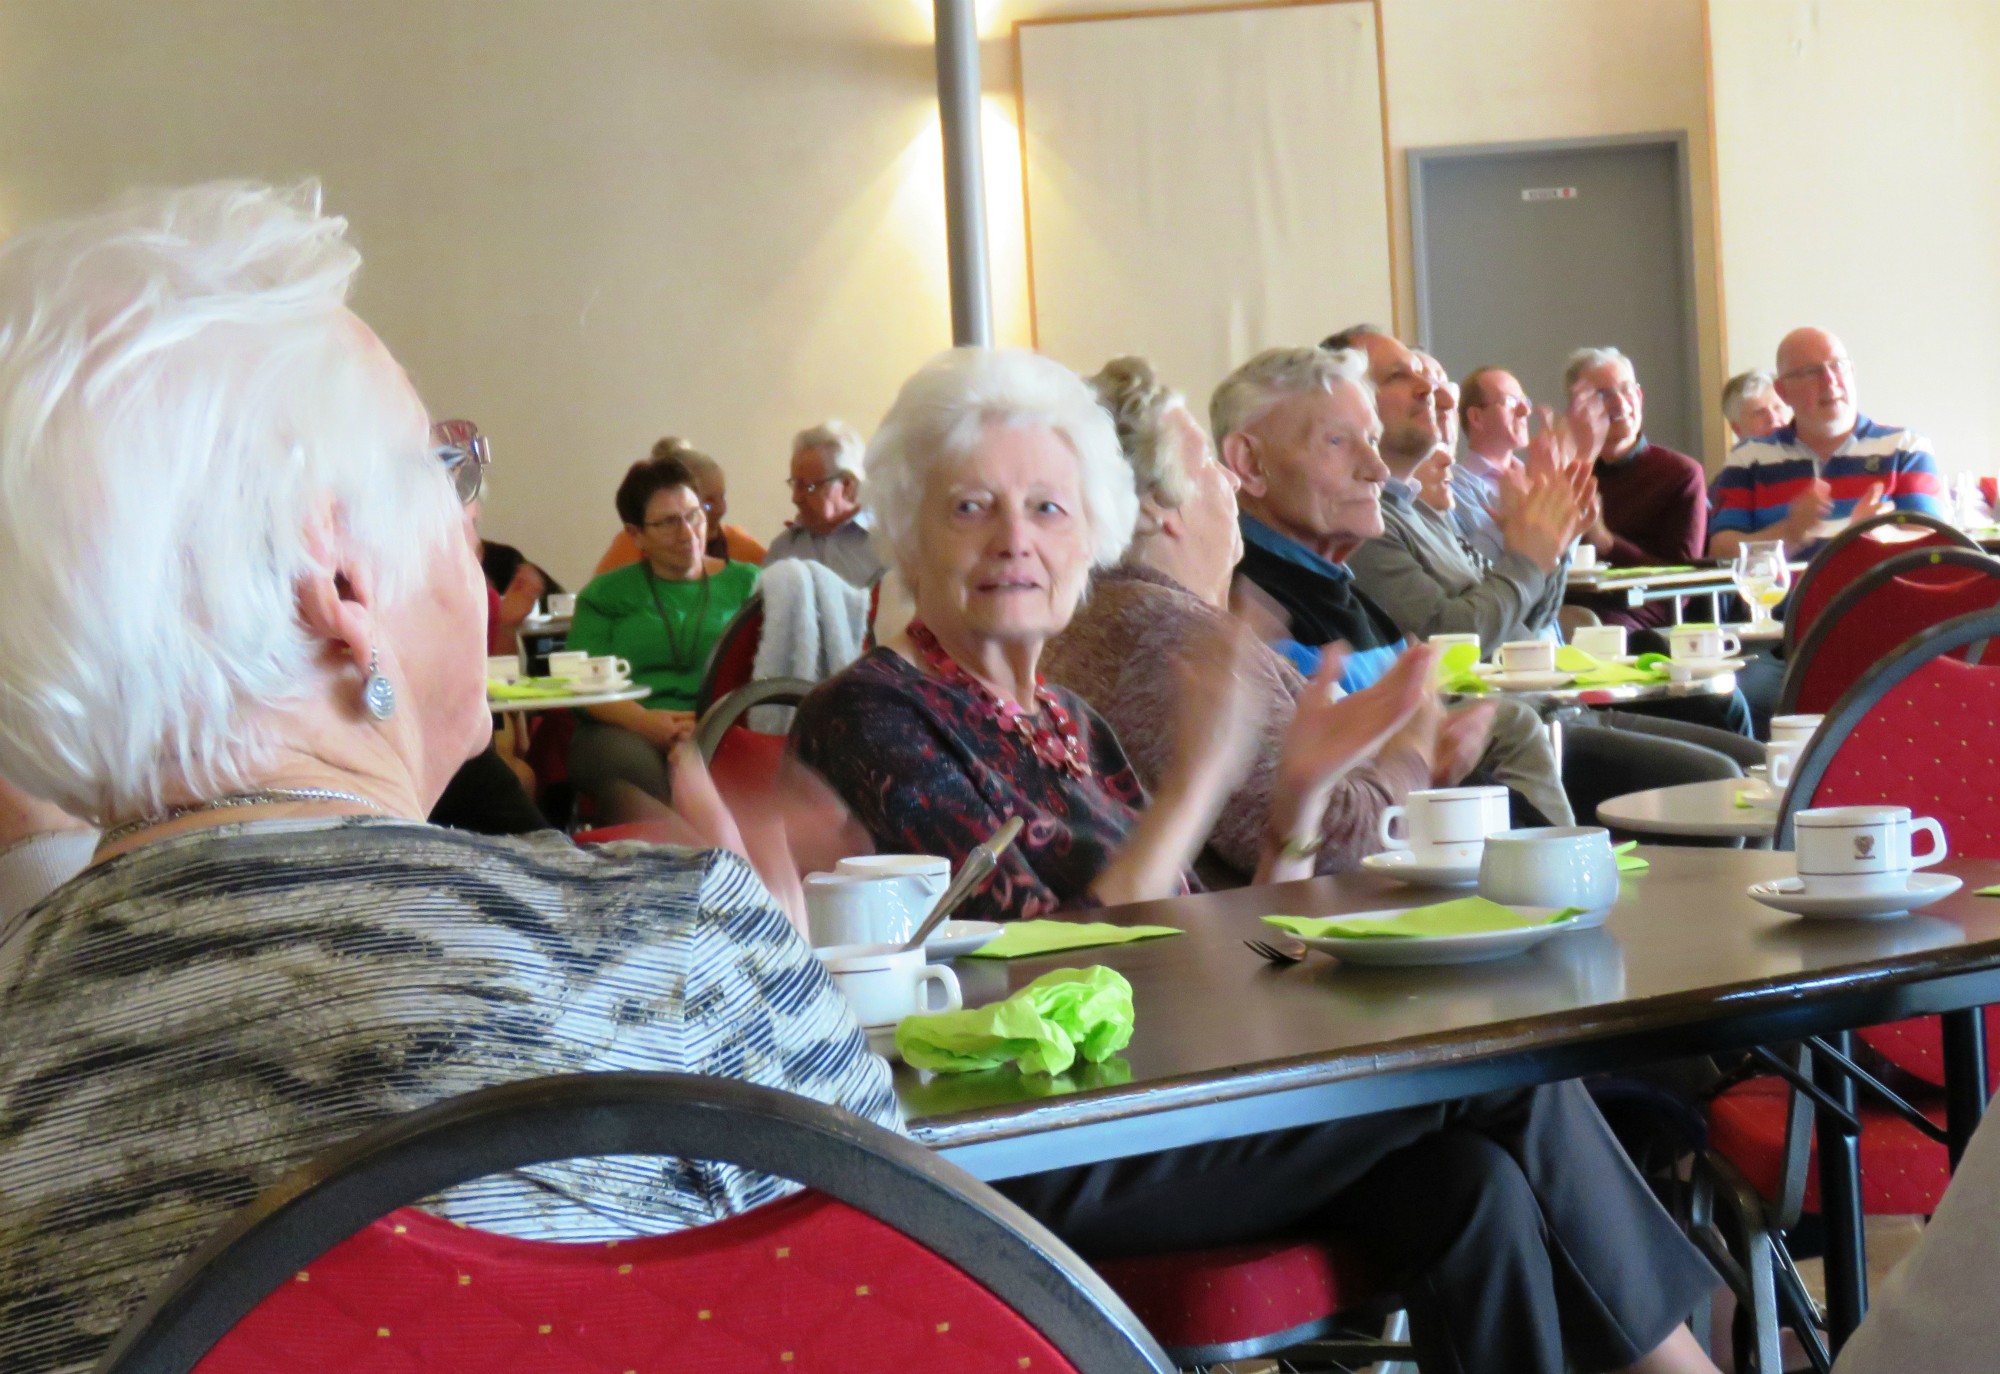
[[1756, 790], [1523, 682], [1405, 867], [587, 689], [1681, 669], [1434, 949], [960, 937], [1788, 894]]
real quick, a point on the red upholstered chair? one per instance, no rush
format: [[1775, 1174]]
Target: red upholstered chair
[[732, 663], [893, 1259], [1853, 552], [1875, 613]]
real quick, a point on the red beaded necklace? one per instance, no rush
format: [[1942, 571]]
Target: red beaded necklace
[[1051, 732]]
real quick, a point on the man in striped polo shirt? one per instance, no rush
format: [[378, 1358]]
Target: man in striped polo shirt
[[1830, 465]]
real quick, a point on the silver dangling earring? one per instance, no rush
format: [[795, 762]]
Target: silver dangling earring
[[378, 693]]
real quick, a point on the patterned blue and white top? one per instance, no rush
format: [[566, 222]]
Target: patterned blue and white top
[[185, 1023]]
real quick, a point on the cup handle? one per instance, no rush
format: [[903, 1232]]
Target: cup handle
[[1388, 819], [1779, 770], [1921, 825], [1732, 645], [621, 668], [942, 977]]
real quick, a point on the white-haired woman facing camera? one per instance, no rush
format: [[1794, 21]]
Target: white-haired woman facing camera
[[244, 631], [996, 483], [1512, 1223]]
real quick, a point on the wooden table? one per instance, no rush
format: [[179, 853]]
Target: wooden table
[[1637, 590], [1706, 810], [1229, 1045]]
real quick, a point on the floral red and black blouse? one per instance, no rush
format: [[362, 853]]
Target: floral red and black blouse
[[926, 766]]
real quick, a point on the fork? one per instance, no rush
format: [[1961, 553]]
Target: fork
[[1291, 952]]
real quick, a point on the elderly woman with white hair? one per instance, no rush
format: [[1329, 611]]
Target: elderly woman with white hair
[[996, 485], [244, 632], [1514, 1227]]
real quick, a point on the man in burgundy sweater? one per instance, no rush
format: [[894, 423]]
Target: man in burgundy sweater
[[1655, 501]]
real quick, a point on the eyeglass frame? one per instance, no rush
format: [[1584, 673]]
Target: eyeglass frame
[[1842, 366], [799, 488], [454, 457]]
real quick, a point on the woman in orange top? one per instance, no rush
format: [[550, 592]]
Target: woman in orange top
[[724, 541]]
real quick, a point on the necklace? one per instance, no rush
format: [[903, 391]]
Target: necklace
[[1051, 732], [264, 797], [680, 660]]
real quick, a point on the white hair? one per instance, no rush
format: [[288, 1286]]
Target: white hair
[[1740, 389], [1246, 395], [182, 394], [941, 412], [1584, 359], [839, 442]]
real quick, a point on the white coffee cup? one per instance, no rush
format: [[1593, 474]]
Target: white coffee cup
[[608, 671], [1583, 558], [568, 664], [1795, 729], [884, 984], [1446, 824], [1781, 757], [856, 908], [923, 877], [561, 604], [1550, 865], [1699, 642], [503, 668], [1599, 641], [1446, 642], [1527, 656], [1861, 850]]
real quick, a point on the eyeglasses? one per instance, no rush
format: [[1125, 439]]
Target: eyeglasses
[[1828, 370], [465, 454], [688, 521], [808, 488]]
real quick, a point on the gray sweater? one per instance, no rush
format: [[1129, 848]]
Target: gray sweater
[[1422, 572]]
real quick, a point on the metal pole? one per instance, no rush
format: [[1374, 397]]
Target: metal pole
[[964, 172]]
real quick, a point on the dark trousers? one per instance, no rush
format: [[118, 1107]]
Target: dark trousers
[[486, 798], [1513, 1226]]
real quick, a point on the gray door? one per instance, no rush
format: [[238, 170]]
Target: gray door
[[1526, 253]]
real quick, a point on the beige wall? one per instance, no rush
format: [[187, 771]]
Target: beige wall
[[591, 222], [1857, 145]]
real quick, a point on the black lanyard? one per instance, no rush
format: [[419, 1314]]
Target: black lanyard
[[680, 660]]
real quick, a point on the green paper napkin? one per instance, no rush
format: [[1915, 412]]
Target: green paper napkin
[[1595, 672], [1465, 916], [529, 689], [1628, 862], [1022, 938], [1456, 663], [1648, 572], [1044, 1027], [1993, 891]]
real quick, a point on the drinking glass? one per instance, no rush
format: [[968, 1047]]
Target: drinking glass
[[1762, 578]]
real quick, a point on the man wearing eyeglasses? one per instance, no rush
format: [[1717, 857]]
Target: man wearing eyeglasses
[[1653, 500], [830, 526], [1830, 466]]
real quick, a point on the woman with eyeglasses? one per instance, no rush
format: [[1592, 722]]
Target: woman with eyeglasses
[[663, 615], [245, 634]]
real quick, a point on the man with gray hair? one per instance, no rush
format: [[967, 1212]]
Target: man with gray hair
[[1752, 406], [830, 526], [1653, 501]]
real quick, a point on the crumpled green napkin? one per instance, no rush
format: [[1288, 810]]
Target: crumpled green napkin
[[1465, 916], [1993, 891], [1592, 671], [529, 689], [1022, 938], [1628, 862], [1044, 1027], [1454, 669]]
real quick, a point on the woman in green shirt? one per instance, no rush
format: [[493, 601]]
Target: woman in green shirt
[[663, 615]]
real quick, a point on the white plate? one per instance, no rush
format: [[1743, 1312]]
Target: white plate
[[1525, 682], [1434, 949], [1684, 668], [960, 937], [1405, 867], [1788, 894]]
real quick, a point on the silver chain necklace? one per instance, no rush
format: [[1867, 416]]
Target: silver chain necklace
[[265, 797]]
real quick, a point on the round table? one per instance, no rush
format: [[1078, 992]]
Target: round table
[[1705, 810], [1759, 634], [522, 705]]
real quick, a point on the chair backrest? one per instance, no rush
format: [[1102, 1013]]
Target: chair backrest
[[732, 663], [1853, 552], [1877, 612], [895, 1259]]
